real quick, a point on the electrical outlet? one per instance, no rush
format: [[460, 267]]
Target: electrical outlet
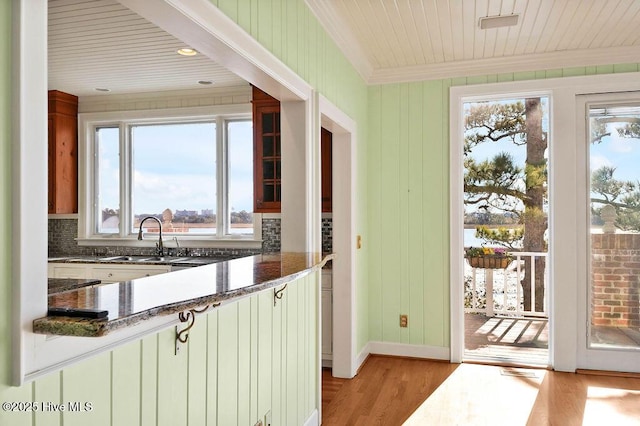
[[404, 320], [267, 419]]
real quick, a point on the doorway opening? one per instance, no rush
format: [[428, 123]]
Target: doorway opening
[[326, 300], [506, 206]]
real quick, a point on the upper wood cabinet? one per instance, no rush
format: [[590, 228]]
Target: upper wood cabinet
[[266, 153], [63, 148], [267, 181], [326, 140]]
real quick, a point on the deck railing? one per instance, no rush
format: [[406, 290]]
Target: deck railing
[[499, 292]]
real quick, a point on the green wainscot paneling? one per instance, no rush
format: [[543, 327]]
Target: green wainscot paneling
[[242, 360], [5, 192]]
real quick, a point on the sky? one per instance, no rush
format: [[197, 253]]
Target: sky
[[616, 151], [174, 167]]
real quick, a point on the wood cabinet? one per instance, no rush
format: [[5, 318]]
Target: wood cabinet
[[326, 140], [63, 148], [267, 180], [266, 153]]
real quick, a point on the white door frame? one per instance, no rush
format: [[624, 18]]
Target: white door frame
[[459, 96], [344, 130], [564, 234]]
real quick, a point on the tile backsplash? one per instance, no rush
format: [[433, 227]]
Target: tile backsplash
[[62, 234]]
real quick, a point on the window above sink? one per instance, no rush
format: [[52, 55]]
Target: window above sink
[[190, 167]]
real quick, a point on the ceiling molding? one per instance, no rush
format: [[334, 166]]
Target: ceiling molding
[[531, 62], [344, 39], [171, 98], [390, 42]]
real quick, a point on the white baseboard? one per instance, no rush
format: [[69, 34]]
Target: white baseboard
[[362, 356], [403, 349], [313, 419]]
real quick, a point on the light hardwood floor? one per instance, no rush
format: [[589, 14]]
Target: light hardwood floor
[[396, 391]]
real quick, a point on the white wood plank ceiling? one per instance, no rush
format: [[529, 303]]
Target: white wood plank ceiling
[[101, 44], [408, 40]]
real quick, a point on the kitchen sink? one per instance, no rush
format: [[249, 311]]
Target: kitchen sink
[[165, 259], [154, 259], [118, 259]]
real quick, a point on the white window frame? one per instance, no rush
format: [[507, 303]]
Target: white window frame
[[87, 167]]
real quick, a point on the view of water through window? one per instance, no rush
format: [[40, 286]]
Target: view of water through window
[[174, 177]]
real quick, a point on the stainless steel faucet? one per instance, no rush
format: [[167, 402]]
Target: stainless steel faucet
[[159, 246]]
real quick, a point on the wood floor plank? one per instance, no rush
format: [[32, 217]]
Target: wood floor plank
[[396, 391], [385, 391]]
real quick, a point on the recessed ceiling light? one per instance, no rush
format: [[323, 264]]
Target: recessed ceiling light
[[102, 89], [497, 21], [205, 82], [186, 51]]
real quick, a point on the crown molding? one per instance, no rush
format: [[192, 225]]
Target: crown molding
[[531, 62], [342, 36], [348, 44], [214, 92]]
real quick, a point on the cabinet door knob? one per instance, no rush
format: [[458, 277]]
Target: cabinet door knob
[[110, 274]]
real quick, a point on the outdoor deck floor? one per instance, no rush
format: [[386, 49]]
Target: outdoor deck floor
[[526, 340], [507, 340]]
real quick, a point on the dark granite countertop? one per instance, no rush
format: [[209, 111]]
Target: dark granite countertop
[[59, 285], [131, 302]]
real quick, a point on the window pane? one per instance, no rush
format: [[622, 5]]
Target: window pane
[[108, 180], [240, 136], [267, 146], [174, 177], [267, 123], [615, 227]]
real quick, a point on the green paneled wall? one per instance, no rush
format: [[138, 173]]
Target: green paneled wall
[[291, 32], [5, 193], [408, 175], [241, 360]]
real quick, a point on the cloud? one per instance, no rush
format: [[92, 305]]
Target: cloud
[[598, 161], [622, 145], [154, 193]]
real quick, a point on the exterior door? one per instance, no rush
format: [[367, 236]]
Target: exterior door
[[609, 242]]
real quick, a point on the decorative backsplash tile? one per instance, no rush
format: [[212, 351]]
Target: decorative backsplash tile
[[271, 231], [63, 232], [327, 235]]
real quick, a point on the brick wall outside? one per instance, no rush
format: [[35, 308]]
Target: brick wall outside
[[616, 280]]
